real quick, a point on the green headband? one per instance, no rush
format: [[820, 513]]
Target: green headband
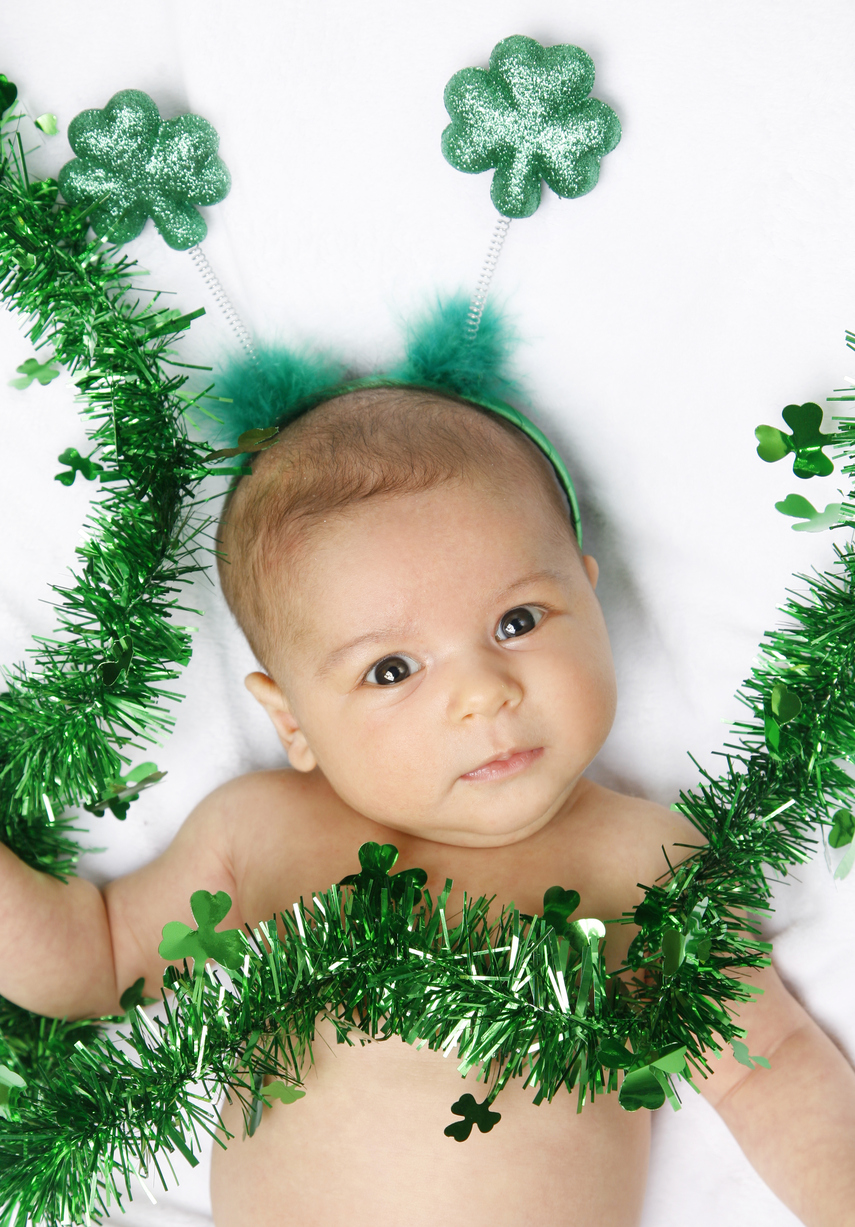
[[262, 394]]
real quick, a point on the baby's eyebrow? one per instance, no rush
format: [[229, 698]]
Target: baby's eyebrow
[[387, 632], [402, 629]]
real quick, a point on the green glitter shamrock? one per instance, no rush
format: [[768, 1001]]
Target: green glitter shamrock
[[807, 441], [473, 1114], [77, 464], [182, 942], [132, 165], [376, 861], [529, 117], [32, 369]]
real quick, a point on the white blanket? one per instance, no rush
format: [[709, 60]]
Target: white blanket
[[702, 286]]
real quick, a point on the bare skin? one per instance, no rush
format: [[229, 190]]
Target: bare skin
[[458, 728]]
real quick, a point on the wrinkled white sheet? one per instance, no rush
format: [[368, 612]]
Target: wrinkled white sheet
[[705, 284]]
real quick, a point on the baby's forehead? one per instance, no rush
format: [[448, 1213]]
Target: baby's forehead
[[415, 558], [366, 449]]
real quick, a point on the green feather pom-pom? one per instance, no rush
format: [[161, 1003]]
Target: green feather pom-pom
[[283, 383], [439, 353], [269, 390]]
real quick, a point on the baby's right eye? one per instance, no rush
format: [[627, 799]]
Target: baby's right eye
[[392, 669]]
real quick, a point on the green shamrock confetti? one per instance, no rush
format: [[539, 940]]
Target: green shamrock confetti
[[806, 441], [615, 1055], [133, 996], [558, 906], [740, 1051], [282, 1091], [8, 94], [641, 1089], [250, 441], [77, 464], [529, 117], [473, 1113], [182, 942], [47, 123], [121, 653], [649, 1085], [122, 790], [132, 165], [782, 706], [376, 861], [842, 830], [814, 521], [11, 1085], [32, 369]]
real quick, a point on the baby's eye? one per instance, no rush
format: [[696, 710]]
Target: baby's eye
[[392, 669], [518, 621]]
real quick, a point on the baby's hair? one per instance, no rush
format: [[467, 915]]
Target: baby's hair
[[373, 442]]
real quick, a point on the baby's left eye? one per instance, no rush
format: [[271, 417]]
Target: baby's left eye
[[518, 621]]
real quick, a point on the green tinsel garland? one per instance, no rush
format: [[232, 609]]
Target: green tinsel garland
[[92, 694], [523, 996]]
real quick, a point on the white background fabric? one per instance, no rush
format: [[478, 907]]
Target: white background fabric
[[702, 286]]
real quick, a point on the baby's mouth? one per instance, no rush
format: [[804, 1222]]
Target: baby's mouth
[[510, 763]]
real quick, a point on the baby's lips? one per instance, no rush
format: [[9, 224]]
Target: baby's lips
[[495, 768]]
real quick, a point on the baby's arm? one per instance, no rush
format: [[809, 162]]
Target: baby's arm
[[71, 950], [795, 1122]]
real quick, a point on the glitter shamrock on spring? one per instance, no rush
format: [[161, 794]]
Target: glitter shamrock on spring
[[132, 165], [529, 117]]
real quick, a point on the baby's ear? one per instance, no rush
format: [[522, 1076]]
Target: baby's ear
[[274, 702], [590, 565]]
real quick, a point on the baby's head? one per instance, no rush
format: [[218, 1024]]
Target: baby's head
[[405, 568]]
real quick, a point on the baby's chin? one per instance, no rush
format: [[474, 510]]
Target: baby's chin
[[480, 825]]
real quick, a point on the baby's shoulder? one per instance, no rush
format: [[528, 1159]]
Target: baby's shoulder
[[630, 839], [282, 831]]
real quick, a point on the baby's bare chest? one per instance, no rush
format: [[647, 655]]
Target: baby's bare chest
[[366, 1144]]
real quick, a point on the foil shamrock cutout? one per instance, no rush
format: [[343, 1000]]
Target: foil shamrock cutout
[[806, 441], [8, 93], [132, 165], [529, 118], [779, 708], [32, 369], [182, 942], [473, 1113], [812, 520], [376, 861], [83, 465], [842, 830]]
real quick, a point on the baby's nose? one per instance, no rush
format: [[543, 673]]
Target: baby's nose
[[482, 687]]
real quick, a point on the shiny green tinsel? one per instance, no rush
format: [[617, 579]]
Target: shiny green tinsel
[[91, 694]]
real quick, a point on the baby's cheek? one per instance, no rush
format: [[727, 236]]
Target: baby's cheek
[[384, 769]]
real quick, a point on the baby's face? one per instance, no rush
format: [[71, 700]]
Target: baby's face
[[449, 671]]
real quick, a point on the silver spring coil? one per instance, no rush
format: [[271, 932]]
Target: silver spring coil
[[479, 298], [223, 301]]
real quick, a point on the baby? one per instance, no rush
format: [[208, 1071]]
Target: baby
[[437, 668]]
